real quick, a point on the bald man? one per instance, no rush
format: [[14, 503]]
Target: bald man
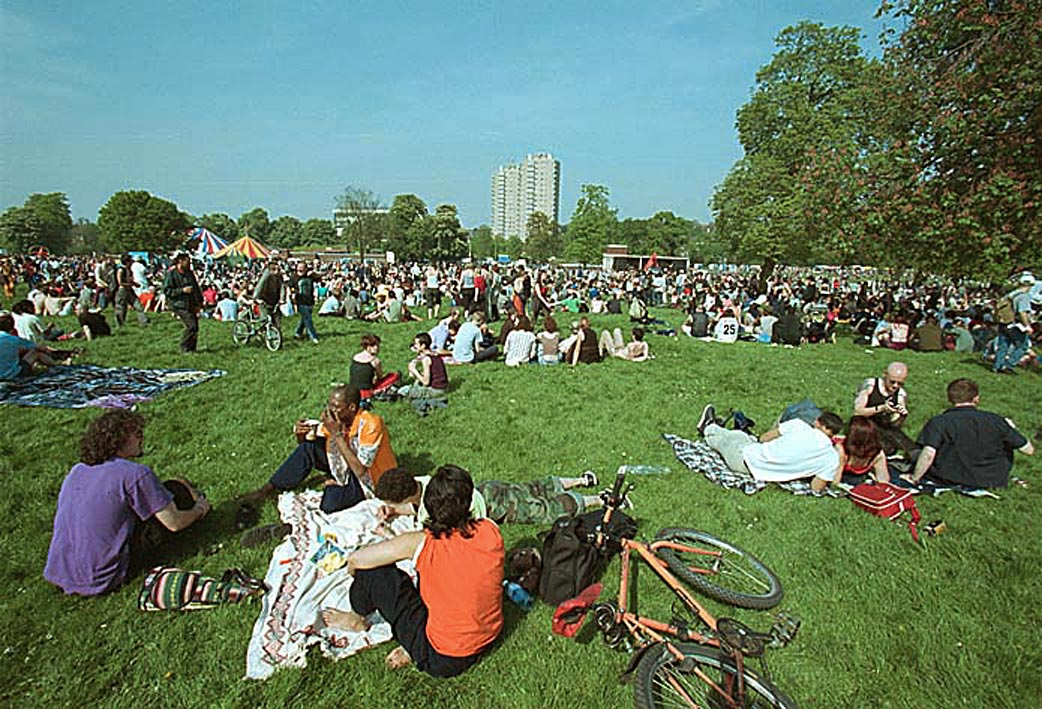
[[885, 401]]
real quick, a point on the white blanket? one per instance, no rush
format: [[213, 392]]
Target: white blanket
[[300, 589]]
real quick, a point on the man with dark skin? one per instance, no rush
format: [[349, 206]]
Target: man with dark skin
[[185, 299]]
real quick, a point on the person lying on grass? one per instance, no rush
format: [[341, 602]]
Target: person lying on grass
[[348, 443], [860, 453], [536, 502], [113, 514], [636, 351], [446, 625]]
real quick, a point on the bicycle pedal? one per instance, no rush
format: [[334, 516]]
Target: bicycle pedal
[[784, 630]]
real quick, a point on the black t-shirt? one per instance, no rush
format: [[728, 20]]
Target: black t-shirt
[[96, 323], [304, 287], [973, 447]]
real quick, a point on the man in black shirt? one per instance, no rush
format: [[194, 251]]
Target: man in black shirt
[[92, 324], [185, 299], [302, 287], [966, 446]]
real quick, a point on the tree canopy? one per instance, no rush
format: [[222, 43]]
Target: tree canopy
[[138, 221], [592, 227]]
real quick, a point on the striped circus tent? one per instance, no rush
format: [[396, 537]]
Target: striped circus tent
[[209, 243], [246, 246]]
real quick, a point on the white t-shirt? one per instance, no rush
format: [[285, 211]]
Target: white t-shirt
[[802, 451], [478, 507], [726, 329]]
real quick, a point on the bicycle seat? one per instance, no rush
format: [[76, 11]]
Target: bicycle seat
[[736, 636]]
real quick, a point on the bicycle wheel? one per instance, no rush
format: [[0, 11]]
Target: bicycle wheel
[[664, 681], [241, 332], [735, 577], [272, 337]]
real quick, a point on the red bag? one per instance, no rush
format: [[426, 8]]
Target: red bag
[[886, 500]]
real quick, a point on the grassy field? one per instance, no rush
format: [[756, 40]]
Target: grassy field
[[885, 624]]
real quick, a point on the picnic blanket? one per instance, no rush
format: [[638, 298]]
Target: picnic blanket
[[306, 576], [699, 457], [77, 386]]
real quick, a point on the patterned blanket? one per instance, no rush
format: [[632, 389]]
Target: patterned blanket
[[80, 385], [699, 457], [306, 576]]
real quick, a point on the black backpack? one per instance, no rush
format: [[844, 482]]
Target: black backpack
[[571, 562]]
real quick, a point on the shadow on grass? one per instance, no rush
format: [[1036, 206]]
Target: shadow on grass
[[417, 463]]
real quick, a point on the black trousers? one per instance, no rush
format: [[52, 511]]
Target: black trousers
[[389, 590], [190, 336]]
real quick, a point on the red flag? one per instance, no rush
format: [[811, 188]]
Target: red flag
[[652, 262]]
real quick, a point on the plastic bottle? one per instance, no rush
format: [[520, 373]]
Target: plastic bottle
[[521, 598], [644, 469]]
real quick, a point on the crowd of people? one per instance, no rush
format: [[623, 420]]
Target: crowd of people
[[114, 513]]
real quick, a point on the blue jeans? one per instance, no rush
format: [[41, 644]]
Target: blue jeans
[[1012, 345], [306, 323], [311, 455]]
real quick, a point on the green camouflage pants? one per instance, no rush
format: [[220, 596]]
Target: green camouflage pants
[[536, 502]]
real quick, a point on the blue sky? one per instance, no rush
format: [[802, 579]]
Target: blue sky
[[224, 106]]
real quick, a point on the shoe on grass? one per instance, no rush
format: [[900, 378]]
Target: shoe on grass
[[267, 533], [708, 417], [589, 479]]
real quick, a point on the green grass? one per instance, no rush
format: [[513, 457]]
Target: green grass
[[885, 623]]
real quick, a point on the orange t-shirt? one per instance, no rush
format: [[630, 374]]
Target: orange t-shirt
[[371, 443], [461, 583]]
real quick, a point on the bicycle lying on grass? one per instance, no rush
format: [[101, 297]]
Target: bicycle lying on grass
[[693, 660], [253, 324]]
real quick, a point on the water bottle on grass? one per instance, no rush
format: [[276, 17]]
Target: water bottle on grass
[[521, 598], [643, 469]]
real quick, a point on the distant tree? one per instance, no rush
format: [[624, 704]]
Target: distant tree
[[482, 245], [255, 223], [53, 212], [514, 247], [668, 234], [633, 233], [448, 237], [317, 232], [84, 237], [286, 232], [405, 227], [220, 224], [364, 224], [544, 241], [138, 221], [593, 225], [20, 229]]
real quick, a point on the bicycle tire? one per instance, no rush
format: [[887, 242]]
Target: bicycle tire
[[749, 582], [659, 668], [272, 337], [241, 332]]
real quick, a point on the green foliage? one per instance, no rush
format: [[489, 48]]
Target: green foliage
[[408, 227], [544, 240], [592, 227], [669, 235], [20, 229], [364, 226], [220, 224], [84, 237], [953, 622], [138, 221], [256, 224], [482, 243], [286, 232], [448, 238], [317, 232], [53, 212]]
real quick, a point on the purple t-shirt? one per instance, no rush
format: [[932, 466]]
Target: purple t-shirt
[[98, 507]]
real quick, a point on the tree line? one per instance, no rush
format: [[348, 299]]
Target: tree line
[[928, 157]]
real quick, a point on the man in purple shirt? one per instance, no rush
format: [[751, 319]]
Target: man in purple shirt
[[107, 504]]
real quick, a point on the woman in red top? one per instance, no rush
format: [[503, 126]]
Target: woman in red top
[[457, 611], [861, 453]]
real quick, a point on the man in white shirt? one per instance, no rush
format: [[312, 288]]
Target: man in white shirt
[[791, 451]]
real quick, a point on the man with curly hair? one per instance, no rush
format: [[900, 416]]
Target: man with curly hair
[[112, 511]]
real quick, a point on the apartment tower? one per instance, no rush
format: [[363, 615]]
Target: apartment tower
[[534, 185]]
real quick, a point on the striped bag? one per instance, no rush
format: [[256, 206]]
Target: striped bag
[[171, 589]]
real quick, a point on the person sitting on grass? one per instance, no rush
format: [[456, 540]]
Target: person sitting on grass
[[428, 371], [92, 324], [861, 453], [548, 343], [350, 444], [535, 502], [519, 346], [585, 347], [18, 356], [113, 513], [366, 372], [636, 351], [469, 344], [793, 450], [452, 619]]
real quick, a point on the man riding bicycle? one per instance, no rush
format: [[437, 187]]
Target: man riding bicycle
[[268, 291]]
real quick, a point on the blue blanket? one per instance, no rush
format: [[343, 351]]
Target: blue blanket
[[80, 385]]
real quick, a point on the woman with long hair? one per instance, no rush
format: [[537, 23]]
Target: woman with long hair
[[861, 453]]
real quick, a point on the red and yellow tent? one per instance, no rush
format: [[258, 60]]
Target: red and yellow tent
[[246, 246]]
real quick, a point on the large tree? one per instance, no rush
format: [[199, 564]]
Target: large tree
[[256, 224], [592, 226], [362, 218], [807, 98], [317, 232], [53, 212], [20, 229], [669, 235], [448, 237], [405, 227], [544, 238], [138, 221], [220, 224], [286, 232], [482, 243]]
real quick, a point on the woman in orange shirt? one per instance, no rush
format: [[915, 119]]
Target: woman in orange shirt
[[457, 612]]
